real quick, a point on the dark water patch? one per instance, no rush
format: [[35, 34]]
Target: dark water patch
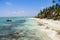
[[22, 35], [8, 20], [18, 22]]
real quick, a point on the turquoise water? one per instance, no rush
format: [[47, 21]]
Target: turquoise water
[[20, 28], [17, 24]]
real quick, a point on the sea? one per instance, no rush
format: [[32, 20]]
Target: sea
[[21, 28]]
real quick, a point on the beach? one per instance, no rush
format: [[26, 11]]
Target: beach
[[49, 26], [29, 29]]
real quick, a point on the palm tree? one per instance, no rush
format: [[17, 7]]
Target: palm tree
[[53, 1]]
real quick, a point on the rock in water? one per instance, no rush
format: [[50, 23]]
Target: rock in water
[[9, 20]]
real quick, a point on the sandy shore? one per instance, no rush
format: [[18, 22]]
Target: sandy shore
[[50, 27]]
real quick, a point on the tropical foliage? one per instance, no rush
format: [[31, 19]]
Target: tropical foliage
[[52, 12]]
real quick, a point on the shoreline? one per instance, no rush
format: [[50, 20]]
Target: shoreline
[[51, 27], [54, 24]]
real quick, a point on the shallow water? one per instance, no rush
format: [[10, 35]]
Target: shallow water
[[20, 29]]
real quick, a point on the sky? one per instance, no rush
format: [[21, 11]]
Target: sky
[[19, 8]]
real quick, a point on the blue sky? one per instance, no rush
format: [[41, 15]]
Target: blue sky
[[18, 8]]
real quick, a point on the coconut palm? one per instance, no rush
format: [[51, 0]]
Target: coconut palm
[[52, 12], [53, 1]]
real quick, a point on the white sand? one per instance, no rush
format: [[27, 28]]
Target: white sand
[[52, 24]]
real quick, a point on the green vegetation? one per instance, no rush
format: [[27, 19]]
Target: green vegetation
[[52, 12]]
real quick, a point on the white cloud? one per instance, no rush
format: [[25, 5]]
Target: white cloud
[[8, 3], [17, 13]]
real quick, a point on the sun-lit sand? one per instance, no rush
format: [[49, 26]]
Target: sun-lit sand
[[50, 27]]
